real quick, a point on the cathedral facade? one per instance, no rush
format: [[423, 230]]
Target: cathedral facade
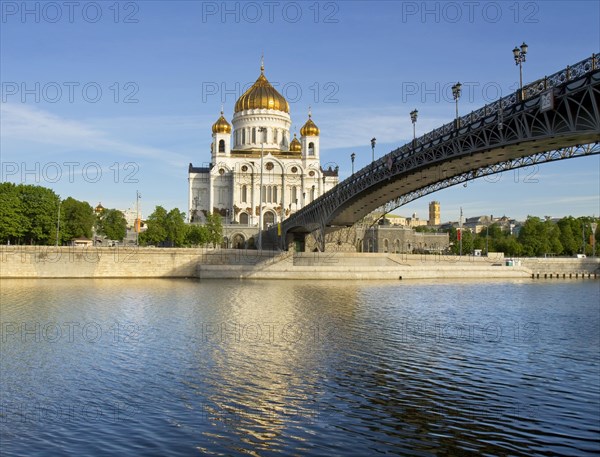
[[258, 173]]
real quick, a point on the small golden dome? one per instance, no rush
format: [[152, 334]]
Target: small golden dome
[[221, 126], [295, 145], [262, 95], [310, 128]]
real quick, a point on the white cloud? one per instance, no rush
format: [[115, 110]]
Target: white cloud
[[24, 123], [349, 127]]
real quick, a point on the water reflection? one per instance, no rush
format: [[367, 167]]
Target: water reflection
[[264, 367]]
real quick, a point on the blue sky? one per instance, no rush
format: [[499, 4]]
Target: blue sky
[[100, 99]]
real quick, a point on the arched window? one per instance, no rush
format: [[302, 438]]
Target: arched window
[[244, 218], [268, 219], [274, 194], [243, 136], [294, 194], [254, 135], [263, 195], [311, 149], [244, 196], [221, 145]]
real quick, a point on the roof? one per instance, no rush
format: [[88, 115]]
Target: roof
[[193, 169]]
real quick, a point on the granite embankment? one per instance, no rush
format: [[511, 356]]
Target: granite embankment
[[77, 262]]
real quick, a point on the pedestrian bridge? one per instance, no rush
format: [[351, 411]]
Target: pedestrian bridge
[[554, 118]]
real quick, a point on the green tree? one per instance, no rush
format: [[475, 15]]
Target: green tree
[[197, 235], [534, 237], [40, 207], [567, 238], [176, 227], [214, 225], [13, 222], [76, 219], [156, 233], [553, 233], [113, 224], [509, 246], [467, 241]]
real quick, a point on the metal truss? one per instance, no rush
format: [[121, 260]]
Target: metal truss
[[464, 178]]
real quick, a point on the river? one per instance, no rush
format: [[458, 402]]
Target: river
[[225, 367]]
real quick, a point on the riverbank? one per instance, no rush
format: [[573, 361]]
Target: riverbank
[[77, 262]]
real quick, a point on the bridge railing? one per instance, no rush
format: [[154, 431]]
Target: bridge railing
[[529, 91]]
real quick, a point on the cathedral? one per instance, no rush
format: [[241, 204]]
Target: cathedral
[[258, 173]]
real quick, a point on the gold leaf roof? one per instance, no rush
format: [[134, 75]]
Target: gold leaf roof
[[310, 128], [262, 95], [221, 126], [295, 145]]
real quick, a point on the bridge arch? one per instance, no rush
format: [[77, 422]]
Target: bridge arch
[[557, 118]]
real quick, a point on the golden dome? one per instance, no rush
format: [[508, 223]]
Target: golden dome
[[221, 126], [310, 128], [295, 145], [262, 95]]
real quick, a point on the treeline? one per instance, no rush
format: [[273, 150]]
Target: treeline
[[168, 229], [536, 238], [34, 215]]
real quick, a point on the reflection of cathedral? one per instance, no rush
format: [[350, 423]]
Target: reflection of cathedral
[[231, 185]]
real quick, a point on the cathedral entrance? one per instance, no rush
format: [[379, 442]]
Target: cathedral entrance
[[238, 242]]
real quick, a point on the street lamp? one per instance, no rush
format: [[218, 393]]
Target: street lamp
[[456, 90], [519, 55], [373, 149], [260, 193], [352, 157], [460, 233], [413, 118], [138, 222], [594, 225]]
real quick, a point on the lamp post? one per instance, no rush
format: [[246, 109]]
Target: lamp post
[[373, 149], [519, 55], [460, 233], [413, 118], [260, 193], [352, 157], [486, 240], [138, 223], [594, 225], [456, 90]]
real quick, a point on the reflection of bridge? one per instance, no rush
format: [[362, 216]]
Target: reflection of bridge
[[554, 118]]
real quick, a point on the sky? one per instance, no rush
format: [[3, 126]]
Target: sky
[[102, 99]]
